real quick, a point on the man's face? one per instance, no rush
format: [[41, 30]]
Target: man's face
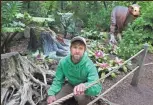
[[77, 51]]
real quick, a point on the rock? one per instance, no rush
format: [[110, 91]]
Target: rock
[[18, 36], [27, 32]]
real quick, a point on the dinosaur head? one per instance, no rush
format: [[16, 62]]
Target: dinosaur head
[[134, 10]]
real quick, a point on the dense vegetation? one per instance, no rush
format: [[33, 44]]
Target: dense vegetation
[[95, 16]]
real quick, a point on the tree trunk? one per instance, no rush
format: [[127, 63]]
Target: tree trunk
[[104, 2], [62, 5], [22, 82], [5, 46]]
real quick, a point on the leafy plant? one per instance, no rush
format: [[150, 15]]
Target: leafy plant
[[103, 61], [9, 25], [100, 20], [69, 23], [138, 33], [9, 10]]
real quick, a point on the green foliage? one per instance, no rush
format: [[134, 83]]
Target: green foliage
[[132, 41], [48, 8], [80, 9], [100, 20], [27, 19], [9, 23], [9, 10], [126, 51], [68, 23], [38, 21], [85, 10], [40, 8], [138, 33], [93, 13], [12, 29], [96, 35], [33, 8]]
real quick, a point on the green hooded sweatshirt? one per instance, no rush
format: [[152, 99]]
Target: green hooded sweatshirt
[[82, 72]]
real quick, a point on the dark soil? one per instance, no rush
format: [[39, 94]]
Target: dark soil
[[126, 94], [123, 93]]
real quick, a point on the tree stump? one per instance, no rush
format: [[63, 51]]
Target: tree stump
[[22, 82], [45, 40]]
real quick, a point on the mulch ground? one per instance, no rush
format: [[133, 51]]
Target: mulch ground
[[126, 94]]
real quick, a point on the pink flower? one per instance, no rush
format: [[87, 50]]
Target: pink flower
[[118, 61], [99, 54], [38, 56], [104, 65]]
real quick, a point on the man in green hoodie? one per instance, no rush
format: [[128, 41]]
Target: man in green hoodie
[[79, 71]]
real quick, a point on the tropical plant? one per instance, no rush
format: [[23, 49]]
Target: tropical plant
[[103, 61], [9, 10], [9, 25], [100, 20]]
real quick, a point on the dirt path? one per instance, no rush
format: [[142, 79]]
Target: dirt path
[[125, 94]]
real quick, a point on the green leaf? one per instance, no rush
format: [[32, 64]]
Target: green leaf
[[12, 29]]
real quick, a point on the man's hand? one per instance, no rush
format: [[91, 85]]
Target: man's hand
[[51, 99], [79, 89], [112, 39]]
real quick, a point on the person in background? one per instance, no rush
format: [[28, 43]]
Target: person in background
[[79, 71]]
